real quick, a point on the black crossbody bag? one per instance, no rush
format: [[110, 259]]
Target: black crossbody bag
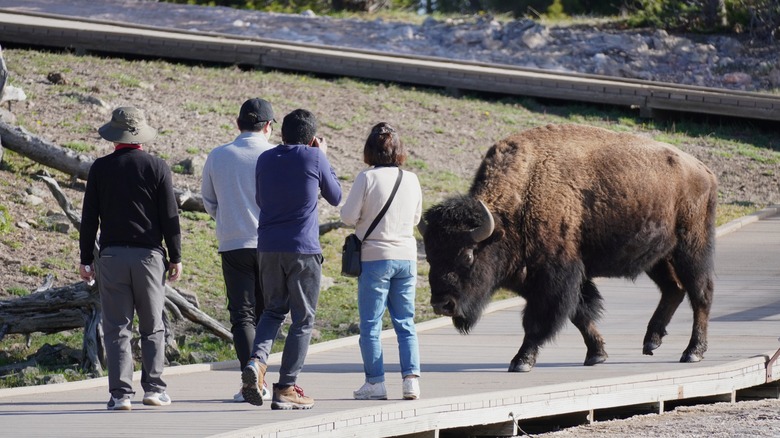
[[350, 252]]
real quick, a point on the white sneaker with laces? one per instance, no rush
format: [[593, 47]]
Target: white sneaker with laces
[[411, 388], [371, 391], [152, 398]]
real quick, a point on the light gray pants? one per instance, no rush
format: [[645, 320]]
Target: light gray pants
[[132, 279], [290, 283]]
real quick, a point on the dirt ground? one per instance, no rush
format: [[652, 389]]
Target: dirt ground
[[194, 109]]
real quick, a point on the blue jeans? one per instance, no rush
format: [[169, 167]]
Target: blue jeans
[[391, 284]]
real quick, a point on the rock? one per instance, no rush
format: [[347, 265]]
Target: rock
[[774, 77], [60, 354], [12, 94], [89, 100], [7, 117], [535, 37], [193, 165], [57, 222], [53, 379], [738, 78], [35, 191], [326, 283], [57, 78], [32, 200], [200, 357]]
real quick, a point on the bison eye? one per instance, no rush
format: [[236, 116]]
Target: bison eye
[[467, 258]]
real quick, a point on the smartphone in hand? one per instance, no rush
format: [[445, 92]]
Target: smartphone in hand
[[320, 142]]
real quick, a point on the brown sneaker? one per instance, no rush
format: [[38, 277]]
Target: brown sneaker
[[253, 376], [290, 397]]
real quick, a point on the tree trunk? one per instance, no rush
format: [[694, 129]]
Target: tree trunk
[[42, 151]]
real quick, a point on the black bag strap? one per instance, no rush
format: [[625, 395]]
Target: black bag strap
[[387, 205]]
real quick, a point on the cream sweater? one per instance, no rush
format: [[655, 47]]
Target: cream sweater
[[393, 238]]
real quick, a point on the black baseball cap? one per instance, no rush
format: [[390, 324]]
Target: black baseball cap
[[256, 110]]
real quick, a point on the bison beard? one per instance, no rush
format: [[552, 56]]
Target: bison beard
[[552, 208]]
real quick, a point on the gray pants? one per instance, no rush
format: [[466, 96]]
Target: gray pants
[[290, 283], [132, 279]]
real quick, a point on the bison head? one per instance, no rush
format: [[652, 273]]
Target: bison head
[[460, 238]]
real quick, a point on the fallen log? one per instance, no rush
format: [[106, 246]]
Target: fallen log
[[194, 314], [42, 151]]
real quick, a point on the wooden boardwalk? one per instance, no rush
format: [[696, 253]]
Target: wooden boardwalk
[[84, 35], [465, 386]]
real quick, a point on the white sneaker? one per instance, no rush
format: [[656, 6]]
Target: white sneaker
[[119, 404], [239, 397], [371, 391], [152, 398], [411, 388]]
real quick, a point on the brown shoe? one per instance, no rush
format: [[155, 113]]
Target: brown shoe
[[290, 397], [253, 376]]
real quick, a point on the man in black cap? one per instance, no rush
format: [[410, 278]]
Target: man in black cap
[[228, 190], [129, 197]]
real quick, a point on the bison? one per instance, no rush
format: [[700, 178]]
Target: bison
[[552, 208]]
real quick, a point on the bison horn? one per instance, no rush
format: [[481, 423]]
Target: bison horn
[[422, 226], [484, 231]]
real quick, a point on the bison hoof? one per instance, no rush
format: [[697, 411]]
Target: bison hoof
[[594, 360], [520, 367], [691, 358], [649, 347]]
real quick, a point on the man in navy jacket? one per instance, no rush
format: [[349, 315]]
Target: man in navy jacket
[[290, 178]]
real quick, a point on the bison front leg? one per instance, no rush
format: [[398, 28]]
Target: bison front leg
[[525, 359], [551, 296]]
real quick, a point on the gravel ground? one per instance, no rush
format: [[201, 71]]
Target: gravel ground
[[744, 419]]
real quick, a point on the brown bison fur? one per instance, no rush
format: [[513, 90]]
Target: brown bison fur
[[571, 203]]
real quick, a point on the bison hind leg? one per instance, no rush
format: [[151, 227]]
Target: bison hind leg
[[672, 294], [589, 310]]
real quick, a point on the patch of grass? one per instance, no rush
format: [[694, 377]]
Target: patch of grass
[[125, 80], [734, 210], [79, 146], [178, 168], [5, 220], [36, 271], [18, 291]]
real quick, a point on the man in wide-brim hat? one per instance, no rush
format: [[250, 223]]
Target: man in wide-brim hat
[[128, 125], [129, 198]]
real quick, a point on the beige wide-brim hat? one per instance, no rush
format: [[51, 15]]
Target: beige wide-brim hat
[[127, 125]]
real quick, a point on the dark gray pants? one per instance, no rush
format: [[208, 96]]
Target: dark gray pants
[[132, 279], [291, 283], [245, 298]]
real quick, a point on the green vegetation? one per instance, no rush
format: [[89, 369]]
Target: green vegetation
[[5, 220], [79, 146]]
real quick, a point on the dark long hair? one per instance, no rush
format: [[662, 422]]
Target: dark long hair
[[384, 147]]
